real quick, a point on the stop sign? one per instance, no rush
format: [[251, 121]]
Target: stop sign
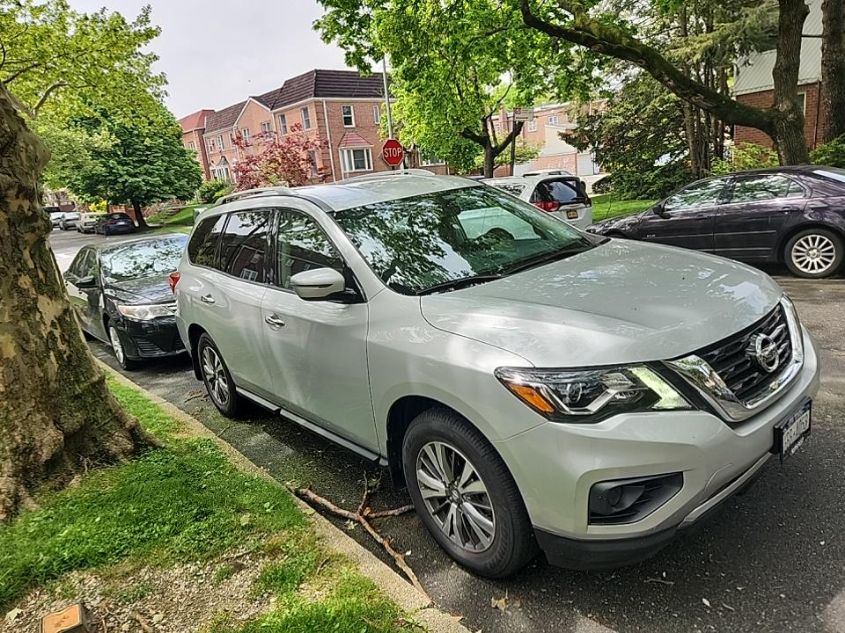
[[392, 152]]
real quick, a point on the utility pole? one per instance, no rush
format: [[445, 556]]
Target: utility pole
[[387, 97], [513, 141]]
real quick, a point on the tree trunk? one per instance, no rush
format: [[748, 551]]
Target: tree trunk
[[56, 414], [139, 215], [789, 120], [489, 161], [833, 69]]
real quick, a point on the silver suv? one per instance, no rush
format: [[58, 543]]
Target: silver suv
[[530, 383]]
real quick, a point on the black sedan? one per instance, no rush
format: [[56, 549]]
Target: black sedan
[[793, 215], [114, 223], [121, 294]]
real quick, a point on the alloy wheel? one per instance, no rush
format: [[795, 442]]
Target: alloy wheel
[[814, 254], [455, 496], [215, 376], [116, 346]]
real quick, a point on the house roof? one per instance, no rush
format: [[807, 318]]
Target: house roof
[[194, 121], [223, 119], [351, 139], [323, 84]]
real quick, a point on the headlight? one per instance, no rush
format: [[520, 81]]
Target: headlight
[[148, 312], [593, 394]]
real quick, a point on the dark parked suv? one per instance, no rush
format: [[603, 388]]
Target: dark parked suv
[[794, 215]]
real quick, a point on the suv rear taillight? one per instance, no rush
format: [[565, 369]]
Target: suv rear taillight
[[547, 205], [174, 279]]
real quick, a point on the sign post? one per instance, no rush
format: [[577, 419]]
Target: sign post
[[392, 152]]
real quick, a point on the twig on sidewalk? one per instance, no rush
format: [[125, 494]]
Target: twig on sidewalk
[[381, 514], [361, 518], [140, 619]]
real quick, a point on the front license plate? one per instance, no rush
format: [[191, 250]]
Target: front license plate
[[571, 215], [791, 432]]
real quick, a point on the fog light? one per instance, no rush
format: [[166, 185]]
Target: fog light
[[630, 500]]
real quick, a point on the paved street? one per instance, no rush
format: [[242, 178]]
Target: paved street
[[771, 560]]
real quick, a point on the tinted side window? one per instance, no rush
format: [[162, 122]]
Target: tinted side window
[[244, 243], [203, 244], [762, 188], [82, 264], [697, 196], [556, 191], [302, 246]]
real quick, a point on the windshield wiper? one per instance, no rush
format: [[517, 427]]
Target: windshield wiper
[[544, 258], [456, 284]]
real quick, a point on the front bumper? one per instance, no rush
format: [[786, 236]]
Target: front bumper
[[151, 339], [556, 465]]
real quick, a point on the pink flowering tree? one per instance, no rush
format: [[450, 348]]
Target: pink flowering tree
[[275, 160]]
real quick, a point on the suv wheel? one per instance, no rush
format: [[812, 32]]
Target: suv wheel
[[814, 253], [218, 381], [465, 496], [119, 351]]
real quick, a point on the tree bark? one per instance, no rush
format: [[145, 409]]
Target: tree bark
[[789, 119], [139, 215], [833, 69], [56, 414], [490, 147]]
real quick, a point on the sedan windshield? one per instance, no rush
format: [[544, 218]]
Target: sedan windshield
[[446, 240], [149, 258]]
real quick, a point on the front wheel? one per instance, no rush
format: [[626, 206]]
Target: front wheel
[[217, 379], [465, 496], [814, 253], [119, 351]]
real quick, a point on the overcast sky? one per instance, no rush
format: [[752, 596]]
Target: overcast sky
[[217, 52]]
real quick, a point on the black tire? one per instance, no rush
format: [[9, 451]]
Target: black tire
[[801, 259], [229, 404], [513, 544], [118, 349]]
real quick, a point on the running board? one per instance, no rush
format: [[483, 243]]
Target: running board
[[314, 428]]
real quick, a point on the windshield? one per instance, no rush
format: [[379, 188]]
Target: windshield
[[417, 243], [149, 258]]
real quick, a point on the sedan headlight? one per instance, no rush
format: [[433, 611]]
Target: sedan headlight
[[147, 312], [591, 395]]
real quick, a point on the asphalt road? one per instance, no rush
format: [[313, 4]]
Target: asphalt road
[[771, 560]]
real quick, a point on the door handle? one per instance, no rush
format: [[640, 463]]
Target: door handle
[[274, 321], [207, 299]]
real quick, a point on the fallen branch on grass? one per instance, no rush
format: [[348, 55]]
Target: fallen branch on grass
[[362, 516]]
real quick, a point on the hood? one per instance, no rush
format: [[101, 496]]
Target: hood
[[622, 223], [620, 302], [141, 291]]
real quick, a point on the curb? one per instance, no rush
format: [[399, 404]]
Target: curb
[[383, 576]]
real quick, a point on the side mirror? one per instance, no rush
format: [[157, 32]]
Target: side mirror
[[89, 281], [320, 283], [660, 210]]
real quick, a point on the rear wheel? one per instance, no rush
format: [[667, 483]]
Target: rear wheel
[[814, 253], [465, 496], [217, 379]]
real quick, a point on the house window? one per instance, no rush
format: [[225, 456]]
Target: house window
[[312, 160], [802, 102], [554, 120], [220, 142], [266, 132], [348, 115], [212, 147], [531, 125], [283, 124], [192, 146], [356, 159], [306, 118], [245, 134], [377, 113]]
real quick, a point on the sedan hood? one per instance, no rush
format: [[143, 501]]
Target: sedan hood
[[141, 291], [620, 302]]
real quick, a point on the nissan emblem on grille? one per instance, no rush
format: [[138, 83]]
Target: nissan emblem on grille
[[764, 350]]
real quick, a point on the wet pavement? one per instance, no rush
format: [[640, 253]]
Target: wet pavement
[[772, 559]]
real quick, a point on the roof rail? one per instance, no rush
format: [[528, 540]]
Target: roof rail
[[386, 174], [249, 193]]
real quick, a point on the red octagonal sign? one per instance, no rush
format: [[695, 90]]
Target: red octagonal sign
[[392, 152]]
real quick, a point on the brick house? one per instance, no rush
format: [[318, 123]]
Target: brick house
[[754, 85], [193, 128]]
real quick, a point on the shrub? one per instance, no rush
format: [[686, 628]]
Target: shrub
[[210, 190], [746, 156], [831, 153]]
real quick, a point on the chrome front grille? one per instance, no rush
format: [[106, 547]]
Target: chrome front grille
[[734, 358], [741, 374]]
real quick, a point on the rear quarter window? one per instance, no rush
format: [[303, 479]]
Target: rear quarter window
[[561, 191], [202, 247]]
